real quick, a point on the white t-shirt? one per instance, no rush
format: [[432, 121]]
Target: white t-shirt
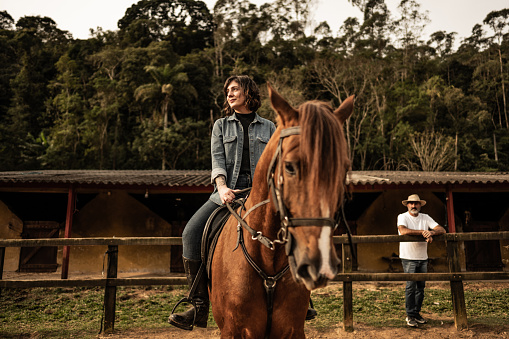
[[415, 250]]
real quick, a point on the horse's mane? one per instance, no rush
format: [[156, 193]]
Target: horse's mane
[[322, 149]]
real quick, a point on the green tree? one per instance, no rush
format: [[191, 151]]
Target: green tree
[[186, 24], [169, 81], [499, 23], [98, 126], [37, 45], [409, 28], [187, 138], [8, 60], [6, 21], [67, 107]]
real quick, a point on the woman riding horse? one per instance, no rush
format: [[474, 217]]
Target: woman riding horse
[[297, 188], [237, 143]]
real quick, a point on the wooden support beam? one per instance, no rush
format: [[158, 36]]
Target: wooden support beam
[[450, 210], [71, 206], [110, 291], [347, 290], [457, 292]]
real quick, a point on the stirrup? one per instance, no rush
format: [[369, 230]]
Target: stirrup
[[189, 301]]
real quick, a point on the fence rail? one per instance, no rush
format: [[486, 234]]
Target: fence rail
[[110, 283], [357, 239], [182, 281]]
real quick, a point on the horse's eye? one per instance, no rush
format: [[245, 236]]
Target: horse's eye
[[290, 168]]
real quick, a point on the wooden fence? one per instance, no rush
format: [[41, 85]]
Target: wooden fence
[[110, 283]]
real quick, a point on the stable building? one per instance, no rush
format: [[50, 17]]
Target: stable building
[[90, 203]]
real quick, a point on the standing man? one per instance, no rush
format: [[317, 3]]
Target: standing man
[[414, 255]]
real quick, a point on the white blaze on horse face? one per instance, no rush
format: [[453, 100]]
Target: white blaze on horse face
[[324, 244]]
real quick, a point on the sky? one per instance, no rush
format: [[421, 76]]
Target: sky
[[78, 16]]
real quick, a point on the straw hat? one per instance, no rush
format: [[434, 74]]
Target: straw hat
[[414, 197]]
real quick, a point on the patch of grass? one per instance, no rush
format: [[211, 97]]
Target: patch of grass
[[56, 312], [488, 306], [77, 312], [385, 307]]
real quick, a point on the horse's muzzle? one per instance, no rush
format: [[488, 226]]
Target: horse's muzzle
[[313, 273]]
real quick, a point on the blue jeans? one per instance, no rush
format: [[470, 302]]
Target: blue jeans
[[414, 291], [192, 234]]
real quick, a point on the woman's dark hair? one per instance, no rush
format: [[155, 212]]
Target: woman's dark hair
[[251, 91]]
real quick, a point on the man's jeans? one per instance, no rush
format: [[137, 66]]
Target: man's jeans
[[414, 292]]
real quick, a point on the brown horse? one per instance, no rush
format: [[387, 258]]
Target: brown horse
[[297, 188]]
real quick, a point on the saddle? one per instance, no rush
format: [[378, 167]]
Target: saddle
[[211, 233]]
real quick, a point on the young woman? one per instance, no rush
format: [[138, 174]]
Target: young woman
[[237, 143]]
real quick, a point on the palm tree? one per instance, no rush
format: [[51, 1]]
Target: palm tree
[[168, 82]]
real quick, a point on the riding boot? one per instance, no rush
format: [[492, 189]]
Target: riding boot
[[311, 314], [186, 320]]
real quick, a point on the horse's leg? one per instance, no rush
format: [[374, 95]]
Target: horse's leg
[[290, 307]]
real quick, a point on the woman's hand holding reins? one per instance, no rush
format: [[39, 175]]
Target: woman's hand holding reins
[[226, 194]]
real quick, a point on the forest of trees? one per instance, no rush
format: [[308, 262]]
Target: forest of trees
[[145, 96]]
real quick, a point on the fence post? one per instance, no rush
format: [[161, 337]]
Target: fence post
[[347, 290], [457, 292], [2, 257], [110, 292]]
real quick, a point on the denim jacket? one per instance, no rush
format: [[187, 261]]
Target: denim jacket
[[226, 148]]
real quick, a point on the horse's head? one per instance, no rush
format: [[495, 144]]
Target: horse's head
[[307, 178]]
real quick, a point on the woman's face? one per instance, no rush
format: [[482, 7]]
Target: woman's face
[[236, 98]]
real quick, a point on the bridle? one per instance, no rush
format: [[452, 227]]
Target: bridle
[[276, 190], [283, 236]]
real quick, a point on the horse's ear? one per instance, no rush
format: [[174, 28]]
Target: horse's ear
[[281, 106], [345, 110]]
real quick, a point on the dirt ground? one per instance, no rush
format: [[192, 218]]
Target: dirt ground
[[361, 331], [438, 326]]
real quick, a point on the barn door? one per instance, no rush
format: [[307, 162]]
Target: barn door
[[39, 259]]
